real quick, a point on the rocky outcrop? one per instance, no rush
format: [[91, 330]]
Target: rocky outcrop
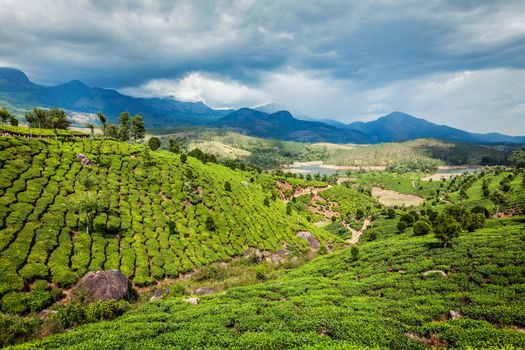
[[435, 272], [102, 285], [83, 159], [159, 294], [312, 241], [279, 256], [204, 291], [192, 301], [453, 315], [46, 314], [253, 254]]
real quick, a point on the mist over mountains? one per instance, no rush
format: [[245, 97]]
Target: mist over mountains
[[17, 90]]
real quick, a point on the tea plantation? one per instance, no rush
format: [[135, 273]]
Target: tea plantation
[[147, 214], [398, 292]]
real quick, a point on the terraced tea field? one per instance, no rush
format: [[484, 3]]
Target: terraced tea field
[[399, 292], [147, 214]]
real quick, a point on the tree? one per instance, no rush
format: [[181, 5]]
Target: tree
[[138, 129], [266, 202], [359, 213], [401, 226], [183, 158], [289, 210], [355, 252], [5, 115], [421, 228], [477, 221], [47, 118], [13, 121], [517, 159], [210, 224], [480, 209], [85, 203], [391, 213], [446, 229], [174, 145], [227, 186], [154, 143], [103, 121], [123, 120], [112, 131], [91, 128], [408, 219]]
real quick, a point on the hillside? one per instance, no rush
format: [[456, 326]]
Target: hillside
[[282, 125], [144, 213], [18, 91], [268, 153], [20, 94], [398, 126], [398, 292]]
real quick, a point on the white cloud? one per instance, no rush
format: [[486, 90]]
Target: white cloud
[[199, 87], [478, 101]]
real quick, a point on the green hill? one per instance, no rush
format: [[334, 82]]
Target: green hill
[[399, 292], [267, 153], [144, 213]]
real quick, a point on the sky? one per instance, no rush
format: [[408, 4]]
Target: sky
[[460, 63]]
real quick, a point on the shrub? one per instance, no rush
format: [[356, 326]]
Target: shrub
[[15, 329], [421, 228], [401, 226], [154, 143]]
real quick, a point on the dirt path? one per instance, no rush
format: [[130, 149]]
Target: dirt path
[[357, 233]]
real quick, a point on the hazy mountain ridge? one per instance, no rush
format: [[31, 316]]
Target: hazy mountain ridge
[[18, 90]]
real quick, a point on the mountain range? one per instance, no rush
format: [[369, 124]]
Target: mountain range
[[17, 90]]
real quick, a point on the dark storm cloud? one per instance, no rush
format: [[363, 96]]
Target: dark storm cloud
[[125, 43], [199, 47]]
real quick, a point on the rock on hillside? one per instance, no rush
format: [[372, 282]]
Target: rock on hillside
[[102, 285]]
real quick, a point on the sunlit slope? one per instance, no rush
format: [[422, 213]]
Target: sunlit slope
[[396, 293], [153, 216]]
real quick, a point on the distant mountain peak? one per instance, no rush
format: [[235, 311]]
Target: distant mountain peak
[[75, 83], [13, 77], [396, 115], [282, 115]]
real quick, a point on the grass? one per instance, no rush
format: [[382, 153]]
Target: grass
[[26, 131], [380, 299]]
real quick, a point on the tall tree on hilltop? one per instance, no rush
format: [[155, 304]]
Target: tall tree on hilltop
[[103, 121], [123, 121], [138, 129]]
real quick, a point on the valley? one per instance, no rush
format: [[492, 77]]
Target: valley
[[194, 231]]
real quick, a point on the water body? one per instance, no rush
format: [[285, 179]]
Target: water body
[[312, 169], [459, 170], [315, 167]]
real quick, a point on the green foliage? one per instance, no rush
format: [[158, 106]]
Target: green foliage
[[175, 146], [137, 127], [74, 314], [5, 115], [421, 228], [446, 229], [47, 118], [517, 158], [15, 329], [154, 143], [336, 302]]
